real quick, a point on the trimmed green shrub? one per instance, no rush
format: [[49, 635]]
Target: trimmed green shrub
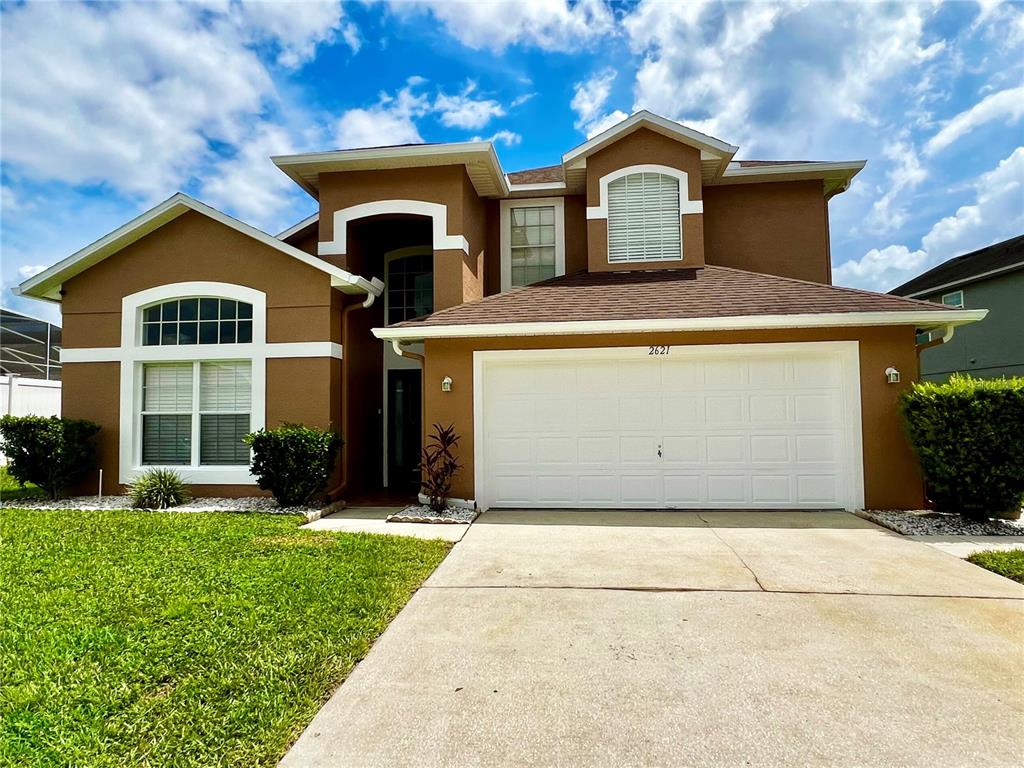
[[968, 435], [49, 451], [439, 467], [293, 462], [158, 489]]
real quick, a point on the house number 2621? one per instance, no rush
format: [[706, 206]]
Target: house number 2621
[[658, 350]]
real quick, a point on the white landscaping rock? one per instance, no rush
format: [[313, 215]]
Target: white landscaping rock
[[264, 504], [920, 522], [421, 513]]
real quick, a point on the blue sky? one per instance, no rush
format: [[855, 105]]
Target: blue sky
[[108, 109]]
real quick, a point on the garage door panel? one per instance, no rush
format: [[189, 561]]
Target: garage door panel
[[724, 411], [626, 430]]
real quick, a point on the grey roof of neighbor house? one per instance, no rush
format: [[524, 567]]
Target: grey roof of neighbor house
[[993, 259]]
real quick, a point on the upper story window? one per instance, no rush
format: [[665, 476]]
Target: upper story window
[[954, 299], [410, 287], [197, 321], [532, 241], [532, 238], [643, 218]]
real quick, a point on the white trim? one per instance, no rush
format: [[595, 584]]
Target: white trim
[[47, 284], [305, 169], [437, 212], [505, 207], [802, 169], [272, 350], [921, 319], [707, 144], [686, 205], [962, 281], [298, 227], [848, 352], [132, 355]]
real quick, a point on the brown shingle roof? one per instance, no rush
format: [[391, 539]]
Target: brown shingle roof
[[769, 163], [543, 175], [666, 294]]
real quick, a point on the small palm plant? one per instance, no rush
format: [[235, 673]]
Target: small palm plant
[[439, 467], [158, 489]]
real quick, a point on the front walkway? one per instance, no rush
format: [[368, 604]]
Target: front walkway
[[714, 638], [374, 520]]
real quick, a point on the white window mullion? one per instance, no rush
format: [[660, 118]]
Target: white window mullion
[[195, 413]]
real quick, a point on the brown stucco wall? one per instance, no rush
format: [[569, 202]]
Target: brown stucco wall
[[301, 306], [779, 228], [458, 276], [641, 147], [891, 474]]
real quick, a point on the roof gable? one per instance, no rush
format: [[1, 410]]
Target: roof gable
[[47, 284], [992, 260]]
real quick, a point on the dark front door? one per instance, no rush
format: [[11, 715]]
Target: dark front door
[[404, 429]]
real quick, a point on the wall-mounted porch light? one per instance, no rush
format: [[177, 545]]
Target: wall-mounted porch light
[[446, 384], [892, 375]]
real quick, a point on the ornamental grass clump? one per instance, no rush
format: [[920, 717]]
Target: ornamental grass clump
[[158, 489], [293, 462], [969, 436], [49, 451]]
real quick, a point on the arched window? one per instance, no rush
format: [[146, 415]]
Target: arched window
[[197, 321], [643, 218]]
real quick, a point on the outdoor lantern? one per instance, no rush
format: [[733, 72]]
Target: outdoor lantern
[[446, 383], [892, 375]]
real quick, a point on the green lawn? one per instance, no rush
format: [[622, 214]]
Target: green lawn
[[1009, 563], [159, 639], [10, 490]]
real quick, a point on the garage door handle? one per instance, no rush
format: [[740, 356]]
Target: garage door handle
[[659, 451]]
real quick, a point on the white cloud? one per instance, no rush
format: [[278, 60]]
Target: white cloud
[[508, 138], [30, 270], [1007, 104], [463, 111], [589, 100], [905, 173], [775, 78], [390, 121], [996, 214], [497, 24], [251, 186], [131, 95]]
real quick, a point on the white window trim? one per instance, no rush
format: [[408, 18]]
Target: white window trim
[[132, 355], [506, 207], [686, 205], [437, 212], [953, 293]]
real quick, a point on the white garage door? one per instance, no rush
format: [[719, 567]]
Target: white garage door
[[740, 426]]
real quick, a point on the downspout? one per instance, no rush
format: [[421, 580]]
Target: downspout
[[342, 486], [949, 329]]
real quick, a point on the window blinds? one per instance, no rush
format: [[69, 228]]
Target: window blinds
[[643, 218]]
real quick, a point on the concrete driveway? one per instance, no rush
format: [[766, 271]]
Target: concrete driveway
[[672, 638]]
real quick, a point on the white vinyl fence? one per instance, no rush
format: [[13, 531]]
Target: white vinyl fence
[[28, 397]]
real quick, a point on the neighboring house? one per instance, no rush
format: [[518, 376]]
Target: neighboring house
[[992, 278], [647, 323], [29, 366]]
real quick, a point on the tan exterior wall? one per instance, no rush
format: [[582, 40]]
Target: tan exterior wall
[[301, 306], [778, 228], [892, 477], [458, 276], [638, 148], [575, 234]]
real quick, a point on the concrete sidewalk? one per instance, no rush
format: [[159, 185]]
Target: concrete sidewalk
[[619, 639]]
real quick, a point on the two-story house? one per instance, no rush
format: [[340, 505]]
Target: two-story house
[[990, 277], [647, 323]]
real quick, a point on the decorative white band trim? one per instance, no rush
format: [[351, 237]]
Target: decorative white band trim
[[202, 352], [438, 213], [686, 206]]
